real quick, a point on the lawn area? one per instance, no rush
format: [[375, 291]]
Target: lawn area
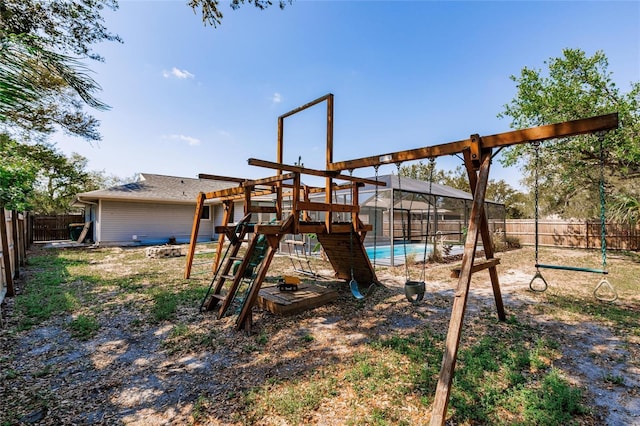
[[109, 336]]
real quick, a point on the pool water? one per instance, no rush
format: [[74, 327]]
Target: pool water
[[384, 252]]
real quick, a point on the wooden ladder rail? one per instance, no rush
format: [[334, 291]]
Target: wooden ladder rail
[[238, 277], [236, 240], [245, 319]]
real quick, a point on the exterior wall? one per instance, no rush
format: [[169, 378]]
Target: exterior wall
[[152, 223]]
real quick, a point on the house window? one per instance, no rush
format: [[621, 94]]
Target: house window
[[206, 213]]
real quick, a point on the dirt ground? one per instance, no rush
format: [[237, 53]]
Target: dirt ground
[[126, 374]]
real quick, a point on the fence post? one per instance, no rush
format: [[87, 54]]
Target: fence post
[[6, 258], [16, 244], [586, 232]]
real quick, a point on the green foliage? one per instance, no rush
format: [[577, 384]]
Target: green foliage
[[17, 176], [45, 295], [42, 179], [84, 327], [293, 402], [576, 86], [44, 83], [555, 402], [164, 307], [211, 14]]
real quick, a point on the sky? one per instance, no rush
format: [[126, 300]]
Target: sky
[[187, 98]]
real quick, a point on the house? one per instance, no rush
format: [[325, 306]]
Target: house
[[156, 209]]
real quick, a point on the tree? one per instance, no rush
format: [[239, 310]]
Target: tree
[[577, 86], [41, 179], [18, 175], [43, 82], [210, 9]]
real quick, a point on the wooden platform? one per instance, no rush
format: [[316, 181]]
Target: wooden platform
[[308, 296], [345, 251]]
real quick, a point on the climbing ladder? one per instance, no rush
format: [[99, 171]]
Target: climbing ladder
[[237, 281]]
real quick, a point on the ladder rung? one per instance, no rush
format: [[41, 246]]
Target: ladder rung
[[236, 258], [228, 277], [218, 296]]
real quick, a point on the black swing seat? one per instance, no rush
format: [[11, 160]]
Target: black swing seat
[[414, 291], [571, 268]]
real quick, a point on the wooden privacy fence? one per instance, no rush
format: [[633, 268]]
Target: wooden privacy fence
[[574, 234], [52, 228], [13, 248]]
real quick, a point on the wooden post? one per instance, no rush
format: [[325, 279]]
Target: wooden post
[[194, 234], [295, 199], [16, 244], [23, 241], [452, 342], [487, 242], [244, 317], [6, 258]]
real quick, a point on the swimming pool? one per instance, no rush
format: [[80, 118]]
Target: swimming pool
[[384, 252]]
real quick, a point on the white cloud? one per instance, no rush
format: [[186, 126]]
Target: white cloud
[[177, 73], [276, 98], [188, 139]]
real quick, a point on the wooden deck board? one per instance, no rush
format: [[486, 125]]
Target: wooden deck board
[[308, 296]]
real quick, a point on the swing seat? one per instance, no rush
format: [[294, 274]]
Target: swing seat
[[572, 268], [355, 290], [414, 291]]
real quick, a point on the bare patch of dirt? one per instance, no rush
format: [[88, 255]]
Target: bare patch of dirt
[[129, 373]]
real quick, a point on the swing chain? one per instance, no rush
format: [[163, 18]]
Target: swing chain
[[432, 166], [404, 231], [536, 146], [603, 220], [375, 217]]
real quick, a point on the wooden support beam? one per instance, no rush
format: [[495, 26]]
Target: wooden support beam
[[262, 209], [452, 342], [269, 180], [487, 242], [313, 172], [221, 178], [550, 131], [195, 227], [240, 190], [244, 317], [324, 207], [481, 266]]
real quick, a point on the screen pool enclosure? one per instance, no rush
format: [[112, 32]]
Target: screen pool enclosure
[[402, 211]]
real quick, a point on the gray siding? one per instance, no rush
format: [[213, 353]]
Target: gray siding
[[152, 223]]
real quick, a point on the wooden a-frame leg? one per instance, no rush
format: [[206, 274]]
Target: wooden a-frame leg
[[487, 242], [443, 389]]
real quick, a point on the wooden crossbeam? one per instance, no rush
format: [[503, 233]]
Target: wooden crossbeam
[[550, 131], [455, 272], [221, 178], [313, 172], [324, 207]]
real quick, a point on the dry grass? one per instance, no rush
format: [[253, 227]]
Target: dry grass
[[129, 346]]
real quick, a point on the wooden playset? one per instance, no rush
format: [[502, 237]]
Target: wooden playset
[[238, 278]]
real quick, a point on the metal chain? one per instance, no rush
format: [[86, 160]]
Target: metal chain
[[404, 238], [603, 219], [351, 230], [432, 165], [536, 145], [375, 217]]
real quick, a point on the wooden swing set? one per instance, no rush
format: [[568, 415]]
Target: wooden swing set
[[238, 278]]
